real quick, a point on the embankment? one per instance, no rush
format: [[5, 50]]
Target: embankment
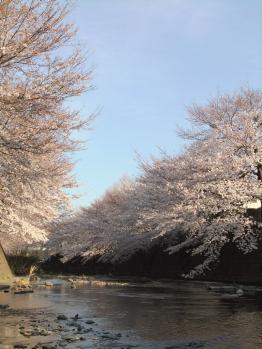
[[233, 266]]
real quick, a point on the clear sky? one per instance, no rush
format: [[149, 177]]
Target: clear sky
[[152, 58]]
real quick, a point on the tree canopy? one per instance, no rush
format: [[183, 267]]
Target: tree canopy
[[41, 67], [197, 200]]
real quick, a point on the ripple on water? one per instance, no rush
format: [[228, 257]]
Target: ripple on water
[[151, 315]]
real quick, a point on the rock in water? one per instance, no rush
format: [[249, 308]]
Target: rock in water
[[62, 317], [23, 291]]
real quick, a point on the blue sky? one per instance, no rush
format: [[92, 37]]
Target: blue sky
[[152, 58]]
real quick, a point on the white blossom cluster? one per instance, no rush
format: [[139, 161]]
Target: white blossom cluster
[[196, 201], [36, 79]]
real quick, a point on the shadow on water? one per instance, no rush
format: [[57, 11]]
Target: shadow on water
[[150, 315]]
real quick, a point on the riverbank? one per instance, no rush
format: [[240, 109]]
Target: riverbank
[[32, 321], [233, 265]]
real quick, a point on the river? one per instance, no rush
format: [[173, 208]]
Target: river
[[141, 314]]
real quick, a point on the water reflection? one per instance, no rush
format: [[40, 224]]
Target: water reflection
[[187, 311], [162, 312]]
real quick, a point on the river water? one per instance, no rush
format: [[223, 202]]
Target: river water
[[147, 314]]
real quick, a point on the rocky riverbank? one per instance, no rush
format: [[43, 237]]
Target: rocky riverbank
[[43, 328], [108, 313]]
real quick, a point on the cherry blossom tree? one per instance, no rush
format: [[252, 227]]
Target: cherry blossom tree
[[212, 183], [41, 67], [102, 229], [196, 201]]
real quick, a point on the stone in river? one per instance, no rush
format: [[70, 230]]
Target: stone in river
[[4, 306], [70, 339], [49, 346], [62, 317]]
